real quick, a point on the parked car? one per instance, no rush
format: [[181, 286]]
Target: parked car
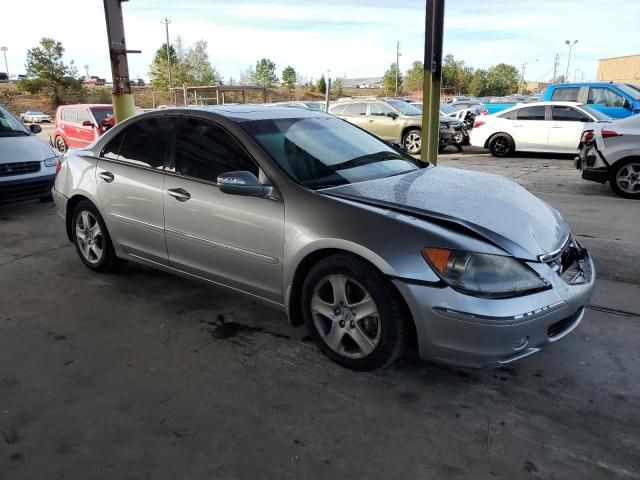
[[617, 100], [553, 127], [34, 116], [94, 80], [80, 125], [308, 105], [376, 248], [4, 78], [27, 163], [611, 153], [450, 121], [394, 121]]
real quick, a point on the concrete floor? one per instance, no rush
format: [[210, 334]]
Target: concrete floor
[[143, 375]]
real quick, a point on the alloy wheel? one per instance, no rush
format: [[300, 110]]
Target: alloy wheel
[[501, 145], [628, 178], [89, 237], [345, 316], [412, 143], [60, 145]]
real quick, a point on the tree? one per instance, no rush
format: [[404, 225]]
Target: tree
[[455, 74], [289, 77], [199, 70], [265, 73], [415, 77], [503, 79], [336, 87], [322, 85], [47, 73], [189, 66], [158, 70], [478, 86], [389, 80]]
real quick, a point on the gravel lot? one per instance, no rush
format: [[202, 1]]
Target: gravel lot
[[142, 375]]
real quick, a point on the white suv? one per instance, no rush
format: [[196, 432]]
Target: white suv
[[27, 164]]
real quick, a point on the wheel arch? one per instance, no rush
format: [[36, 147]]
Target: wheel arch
[[71, 205], [406, 130]]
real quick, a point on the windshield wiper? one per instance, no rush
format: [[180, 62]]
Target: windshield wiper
[[366, 160]]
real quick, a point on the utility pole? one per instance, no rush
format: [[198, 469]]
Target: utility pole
[[123, 102], [524, 67], [166, 23], [397, 65], [6, 65], [555, 67], [328, 86], [568, 42], [86, 71], [575, 75], [433, 31]]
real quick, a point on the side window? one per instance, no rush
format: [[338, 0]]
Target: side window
[[204, 150], [509, 115], [69, 115], [531, 113], [566, 114], [337, 109], [356, 109], [83, 115], [605, 96], [146, 142], [112, 148], [565, 94], [379, 109]]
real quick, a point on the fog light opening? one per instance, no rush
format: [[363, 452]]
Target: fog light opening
[[520, 343]]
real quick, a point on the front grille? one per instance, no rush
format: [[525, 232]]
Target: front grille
[[15, 192], [18, 168], [563, 325]]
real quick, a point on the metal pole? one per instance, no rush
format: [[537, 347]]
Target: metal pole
[[434, 25], [6, 65], [397, 64], [568, 42], [166, 23], [555, 67], [326, 100]]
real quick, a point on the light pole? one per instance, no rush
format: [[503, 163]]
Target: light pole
[[6, 65], [397, 65], [571, 44], [166, 23], [328, 89], [575, 75]]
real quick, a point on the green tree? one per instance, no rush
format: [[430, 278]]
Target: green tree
[[336, 87], [322, 85], [415, 77], [479, 84], [48, 74], [503, 79], [189, 66], [264, 74], [456, 74], [158, 71], [289, 77], [389, 80], [199, 70]]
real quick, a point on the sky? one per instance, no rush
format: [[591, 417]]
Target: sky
[[352, 38]]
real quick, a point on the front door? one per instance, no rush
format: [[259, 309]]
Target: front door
[[566, 128], [234, 240], [608, 102], [85, 134], [356, 113], [381, 124], [130, 180]]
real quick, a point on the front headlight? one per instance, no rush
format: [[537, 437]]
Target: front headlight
[[51, 162], [483, 275]]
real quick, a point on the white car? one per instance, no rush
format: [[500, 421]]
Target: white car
[[33, 116], [553, 127], [27, 163], [611, 153]]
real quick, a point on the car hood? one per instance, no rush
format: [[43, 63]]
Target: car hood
[[22, 148], [480, 204]]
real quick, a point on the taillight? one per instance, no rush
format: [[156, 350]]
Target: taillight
[[478, 123], [587, 136], [58, 166], [610, 133]]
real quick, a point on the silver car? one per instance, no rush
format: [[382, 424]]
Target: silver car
[[368, 247]]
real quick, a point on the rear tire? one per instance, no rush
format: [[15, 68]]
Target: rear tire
[[624, 178], [91, 238], [501, 145], [353, 313]]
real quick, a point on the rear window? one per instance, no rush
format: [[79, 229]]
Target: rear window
[[565, 94], [509, 115], [532, 113], [146, 142], [356, 109]]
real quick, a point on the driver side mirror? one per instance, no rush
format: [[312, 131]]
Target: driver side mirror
[[35, 128], [243, 183], [393, 115], [87, 123]]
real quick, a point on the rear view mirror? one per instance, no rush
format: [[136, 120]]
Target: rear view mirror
[[243, 183], [35, 128]]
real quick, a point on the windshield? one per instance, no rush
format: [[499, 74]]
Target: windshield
[[447, 109], [404, 107], [323, 152], [629, 91], [634, 86], [10, 125], [101, 114], [36, 113], [601, 117]]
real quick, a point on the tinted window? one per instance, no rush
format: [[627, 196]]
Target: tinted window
[[204, 150], [68, 115], [568, 94], [112, 148], [531, 113], [83, 115], [509, 115], [605, 96], [355, 109], [146, 142], [567, 114], [379, 109], [101, 114]]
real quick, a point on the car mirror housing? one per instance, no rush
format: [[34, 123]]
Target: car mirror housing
[[35, 128], [393, 115], [87, 123], [243, 183]]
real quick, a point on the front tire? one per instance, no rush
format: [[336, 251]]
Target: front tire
[[353, 313], [60, 144], [624, 178], [501, 145], [412, 141], [92, 240]]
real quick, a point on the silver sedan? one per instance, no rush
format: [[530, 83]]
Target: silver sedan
[[368, 247]]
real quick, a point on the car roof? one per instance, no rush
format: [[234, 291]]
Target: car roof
[[87, 105], [249, 112]]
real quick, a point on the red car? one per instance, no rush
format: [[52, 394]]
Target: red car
[[79, 125]]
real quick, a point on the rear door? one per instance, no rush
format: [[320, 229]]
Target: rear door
[[356, 113], [566, 128], [530, 129], [130, 179], [69, 127], [608, 101], [234, 240]]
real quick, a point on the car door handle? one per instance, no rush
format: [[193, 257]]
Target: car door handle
[[179, 194], [106, 176]]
